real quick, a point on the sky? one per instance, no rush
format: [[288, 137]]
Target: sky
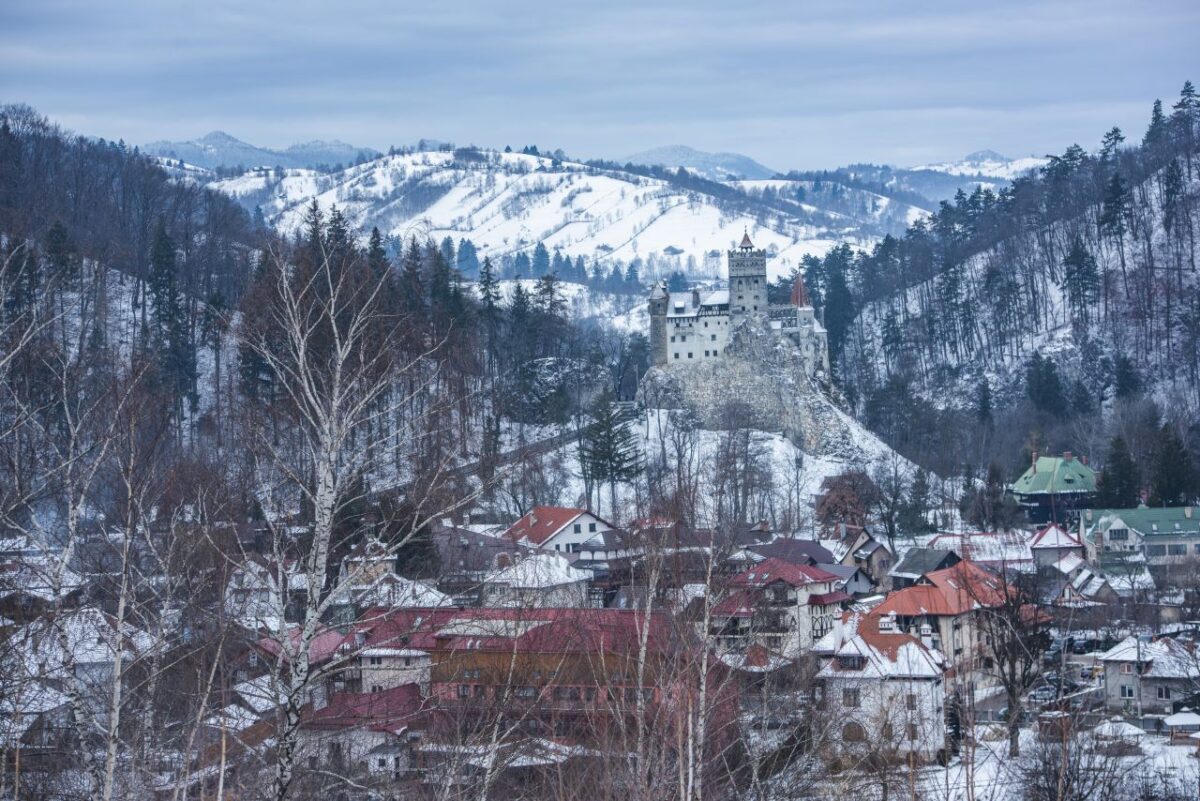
[[792, 84]]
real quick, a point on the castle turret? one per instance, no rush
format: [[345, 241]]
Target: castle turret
[[747, 280], [659, 298]]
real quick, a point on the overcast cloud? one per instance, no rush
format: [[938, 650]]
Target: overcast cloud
[[790, 84]]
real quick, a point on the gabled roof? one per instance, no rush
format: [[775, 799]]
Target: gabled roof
[[885, 654], [949, 592], [541, 523], [1053, 536], [746, 243], [540, 571], [390, 710], [1056, 475], [800, 552], [772, 570], [919, 561]]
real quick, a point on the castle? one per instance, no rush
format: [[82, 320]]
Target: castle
[[697, 325]]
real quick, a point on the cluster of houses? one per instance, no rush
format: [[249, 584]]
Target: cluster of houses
[[542, 643]]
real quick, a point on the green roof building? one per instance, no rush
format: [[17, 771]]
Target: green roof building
[[1156, 535], [1055, 488]]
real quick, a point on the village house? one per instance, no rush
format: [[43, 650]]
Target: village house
[[781, 606], [855, 546], [1159, 536], [943, 606], [1052, 543], [556, 528], [919, 561], [1054, 488], [1156, 677], [543, 580], [881, 690]]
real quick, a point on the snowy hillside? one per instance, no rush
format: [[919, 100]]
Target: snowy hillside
[[508, 202], [987, 164], [714, 166], [219, 149]]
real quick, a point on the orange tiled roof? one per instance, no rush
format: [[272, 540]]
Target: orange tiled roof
[[541, 523], [948, 592]]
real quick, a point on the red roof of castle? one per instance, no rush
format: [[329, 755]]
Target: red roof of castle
[[800, 293]]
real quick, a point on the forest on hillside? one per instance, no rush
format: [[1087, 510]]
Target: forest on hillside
[[1010, 322]]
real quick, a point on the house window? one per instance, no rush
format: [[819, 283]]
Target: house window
[[851, 663], [912, 731], [1126, 690], [1177, 550], [910, 701], [408, 661], [1156, 550], [578, 527], [853, 733], [850, 699], [1164, 693], [376, 660], [1127, 668], [464, 691], [591, 527], [382, 762], [376, 688], [527, 692], [1118, 534]]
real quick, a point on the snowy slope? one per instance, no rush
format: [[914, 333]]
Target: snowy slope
[[507, 202], [987, 164], [219, 149], [714, 166]]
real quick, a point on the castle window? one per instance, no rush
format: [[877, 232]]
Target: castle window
[[714, 337], [689, 355], [672, 339], [676, 355], [705, 353]]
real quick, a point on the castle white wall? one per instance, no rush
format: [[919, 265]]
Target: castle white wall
[[697, 338]]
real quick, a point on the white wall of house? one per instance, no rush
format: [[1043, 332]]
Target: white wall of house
[[573, 534], [894, 716]]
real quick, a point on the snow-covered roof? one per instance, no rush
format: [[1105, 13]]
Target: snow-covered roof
[[539, 571], [885, 653], [1054, 536], [1164, 658], [392, 590], [683, 304]]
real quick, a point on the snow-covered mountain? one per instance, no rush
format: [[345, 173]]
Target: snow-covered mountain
[[987, 164], [507, 202], [219, 149], [714, 166]]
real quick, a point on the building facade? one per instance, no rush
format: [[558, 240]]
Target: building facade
[[696, 325]]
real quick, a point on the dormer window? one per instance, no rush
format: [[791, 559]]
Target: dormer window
[[851, 662]]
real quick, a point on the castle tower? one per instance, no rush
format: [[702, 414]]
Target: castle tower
[[747, 280], [658, 324]]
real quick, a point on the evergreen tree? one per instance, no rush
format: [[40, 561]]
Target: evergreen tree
[[913, 517], [489, 291], [1127, 382], [1081, 280], [1118, 486], [1111, 144], [1115, 208], [983, 402], [609, 449], [449, 255], [377, 259], [1082, 403], [838, 308], [1156, 132], [1044, 387], [170, 336], [522, 267], [61, 257], [468, 258], [540, 264], [1173, 480]]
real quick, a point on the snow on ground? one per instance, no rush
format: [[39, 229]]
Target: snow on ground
[[507, 202]]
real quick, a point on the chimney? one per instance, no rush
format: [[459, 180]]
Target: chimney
[[1033, 459], [927, 636], [1067, 456], [1084, 459], [696, 297]]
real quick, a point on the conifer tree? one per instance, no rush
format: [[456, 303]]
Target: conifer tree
[[1127, 383], [1081, 280], [983, 403], [1173, 479], [1118, 486], [541, 260], [1044, 387], [169, 335], [468, 258], [1156, 132], [609, 447]]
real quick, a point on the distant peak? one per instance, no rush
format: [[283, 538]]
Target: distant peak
[[219, 136], [986, 155]]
